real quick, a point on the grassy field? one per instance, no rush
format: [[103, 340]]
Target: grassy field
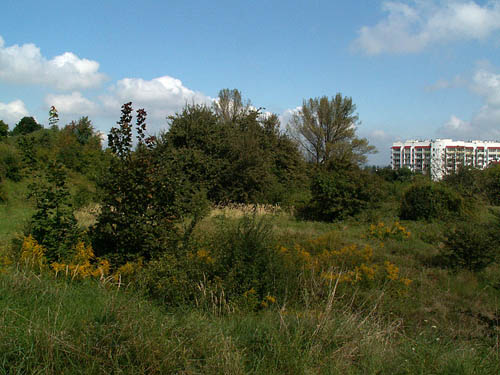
[[422, 319]]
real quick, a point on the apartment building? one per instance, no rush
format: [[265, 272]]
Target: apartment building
[[442, 156]]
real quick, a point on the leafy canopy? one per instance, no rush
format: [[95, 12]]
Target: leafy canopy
[[326, 131]]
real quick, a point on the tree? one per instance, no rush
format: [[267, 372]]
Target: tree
[[53, 117], [140, 200], [326, 131], [4, 129], [25, 126], [229, 105]]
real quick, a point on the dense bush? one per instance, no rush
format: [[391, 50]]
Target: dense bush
[[237, 157], [431, 201], [468, 181], [10, 162], [491, 184], [142, 199], [246, 258], [53, 224], [339, 194], [472, 246]]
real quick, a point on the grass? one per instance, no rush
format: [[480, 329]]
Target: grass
[[15, 212], [57, 327], [446, 322]]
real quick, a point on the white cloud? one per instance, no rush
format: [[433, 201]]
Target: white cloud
[[160, 97], [287, 115], [12, 112], [412, 26], [73, 103], [25, 64], [457, 128], [485, 124]]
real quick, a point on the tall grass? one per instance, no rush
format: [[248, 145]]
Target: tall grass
[[53, 327]]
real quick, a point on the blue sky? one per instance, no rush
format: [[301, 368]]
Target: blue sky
[[414, 68]]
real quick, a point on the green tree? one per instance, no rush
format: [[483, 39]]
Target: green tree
[[326, 131], [140, 204], [4, 129], [53, 118], [53, 224], [25, 126], [229, 105]]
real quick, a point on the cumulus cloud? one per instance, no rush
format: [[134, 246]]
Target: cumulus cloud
[[73, 103], [12, 112], [485, 124], [287, 115], [410, 27], [160, 96], [25, 64]]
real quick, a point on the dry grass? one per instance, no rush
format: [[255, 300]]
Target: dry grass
[[87, 216]]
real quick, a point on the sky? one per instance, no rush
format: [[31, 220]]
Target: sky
[[416, 69]]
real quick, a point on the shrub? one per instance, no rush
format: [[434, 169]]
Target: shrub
[[431, 201], [246, 258], [141, 201], [4, 197], [471, 246], [491, 183], [53, 224], [339, 194], [10, 162]]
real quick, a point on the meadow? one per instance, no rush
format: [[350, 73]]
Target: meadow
[[363, 295], [222, 247]]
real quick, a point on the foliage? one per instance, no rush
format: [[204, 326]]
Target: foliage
[[53, 225], [471, 245], [234, 154], [229, 106], [491, 181], [25, 126], [3, 194], [83, 264], [431, 201], [382, 232], [4, 129], [141, 198], [246, 259], [339, 194], [326, 131], [10, 162], [392, 175]]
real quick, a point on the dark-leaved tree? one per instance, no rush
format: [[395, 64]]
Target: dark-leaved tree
[[25, 126], [140, 197]]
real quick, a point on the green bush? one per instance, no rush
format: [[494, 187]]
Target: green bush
[[142, 200], [491, 184], [53, 224], [3, 194], [431, 201], [340, 194], [246, 258], [472, 246], [10, 162]]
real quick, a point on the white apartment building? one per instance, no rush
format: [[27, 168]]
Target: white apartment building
[[442, 156]]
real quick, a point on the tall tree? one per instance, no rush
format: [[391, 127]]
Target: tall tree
[[4, 129], [229, 105], [26, 125], [326, 131]]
